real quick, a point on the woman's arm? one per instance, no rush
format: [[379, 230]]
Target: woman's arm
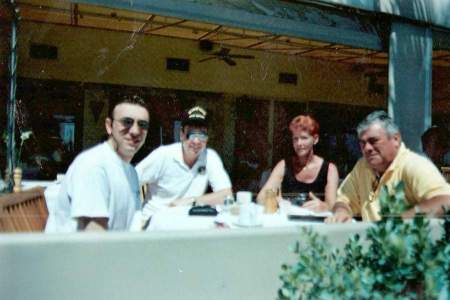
[[274, 181], [332, 185], [317, 205]]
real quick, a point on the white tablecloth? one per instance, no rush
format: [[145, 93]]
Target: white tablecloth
[[177, 218], [28, 184], [51, 196]]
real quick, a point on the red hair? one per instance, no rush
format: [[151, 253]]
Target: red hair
[[304, 123]]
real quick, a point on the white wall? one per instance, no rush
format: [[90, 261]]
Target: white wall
[[215, 264]]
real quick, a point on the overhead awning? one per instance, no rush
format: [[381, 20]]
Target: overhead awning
[[279, 17], [267, 25]]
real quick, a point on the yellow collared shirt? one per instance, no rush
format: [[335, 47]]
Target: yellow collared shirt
[[360, 189]]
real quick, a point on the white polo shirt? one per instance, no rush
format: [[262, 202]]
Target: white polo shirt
[[169, 178]]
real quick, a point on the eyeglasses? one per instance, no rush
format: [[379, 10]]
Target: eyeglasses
[[128, 122], [201, 136]]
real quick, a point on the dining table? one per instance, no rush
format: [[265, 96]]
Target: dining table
[[178, 219]]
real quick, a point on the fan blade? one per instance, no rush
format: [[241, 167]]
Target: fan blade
[[229, 61], [218, 52], [206, 59], [223, 51], [241, 56]]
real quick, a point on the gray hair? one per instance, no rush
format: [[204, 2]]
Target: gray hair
[[380, 117]]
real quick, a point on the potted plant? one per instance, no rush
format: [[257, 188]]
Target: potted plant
[[397, 259]]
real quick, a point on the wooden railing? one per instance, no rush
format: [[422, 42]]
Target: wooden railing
[[23, 211]]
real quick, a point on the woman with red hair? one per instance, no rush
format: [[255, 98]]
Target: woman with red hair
[[304, 172]]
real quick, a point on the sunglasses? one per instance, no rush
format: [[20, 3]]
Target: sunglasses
[[201, 136], [128, 122]]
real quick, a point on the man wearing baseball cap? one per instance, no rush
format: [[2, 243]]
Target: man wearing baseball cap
[[179, 174]]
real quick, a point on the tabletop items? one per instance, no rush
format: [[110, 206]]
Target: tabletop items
[[232, 214], [297, 198], [249, 212], [202, 210], [242, 214], [270, 201], [228, 203]]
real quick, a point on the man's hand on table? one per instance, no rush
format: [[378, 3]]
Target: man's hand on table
[[341, 215], [182, 201]]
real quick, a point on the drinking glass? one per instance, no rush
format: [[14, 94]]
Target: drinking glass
[[270, 202]]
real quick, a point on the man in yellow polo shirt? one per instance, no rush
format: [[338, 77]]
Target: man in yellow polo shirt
[[386, 161]]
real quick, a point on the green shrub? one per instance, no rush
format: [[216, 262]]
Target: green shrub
[[397, 260]]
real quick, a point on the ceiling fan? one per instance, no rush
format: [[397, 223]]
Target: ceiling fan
[[224, 54]]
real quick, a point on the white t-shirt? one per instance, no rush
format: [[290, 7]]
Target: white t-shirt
[[169, 178], [98, 184]]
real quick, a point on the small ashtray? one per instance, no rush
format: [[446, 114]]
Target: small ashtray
[[299, 199]]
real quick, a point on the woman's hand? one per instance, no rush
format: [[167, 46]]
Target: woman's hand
[[315, 204]]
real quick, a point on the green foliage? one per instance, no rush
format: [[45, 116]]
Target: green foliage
[[397, 260], [24, 136]]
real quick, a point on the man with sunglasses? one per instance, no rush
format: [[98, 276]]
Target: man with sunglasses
[[179, 174], [386, 161], [100, 190]]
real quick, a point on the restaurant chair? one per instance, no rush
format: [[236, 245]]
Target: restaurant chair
[[446, 172], [23, 211]]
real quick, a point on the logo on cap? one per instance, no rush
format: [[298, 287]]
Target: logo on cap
[[197, 113], [196, 116]]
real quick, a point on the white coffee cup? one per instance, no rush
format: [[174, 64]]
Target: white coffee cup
[[246, 214], [243, 197], [250, 214]]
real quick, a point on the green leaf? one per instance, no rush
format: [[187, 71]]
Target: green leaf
[[396, 260]]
